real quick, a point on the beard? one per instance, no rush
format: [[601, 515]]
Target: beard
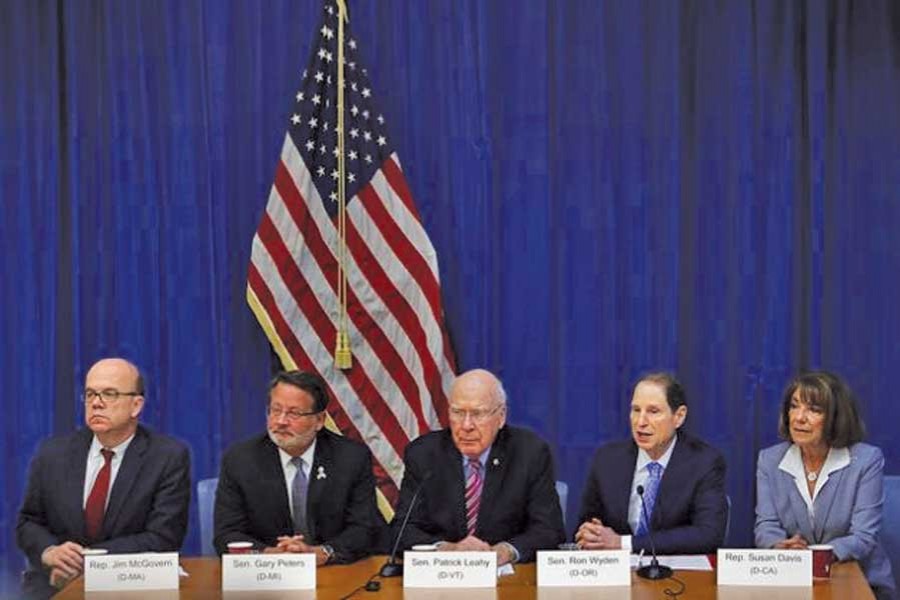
[[292, 442]]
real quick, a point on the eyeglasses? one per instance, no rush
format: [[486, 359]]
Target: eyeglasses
[[109, 395], [479, 416], [276, 412]]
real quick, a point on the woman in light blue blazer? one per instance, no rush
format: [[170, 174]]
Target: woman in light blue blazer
[[823, 485]]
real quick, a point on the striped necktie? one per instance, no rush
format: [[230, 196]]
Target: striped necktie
[[474, 484]]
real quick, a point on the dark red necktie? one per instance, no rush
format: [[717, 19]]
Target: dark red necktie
[[96, 502]]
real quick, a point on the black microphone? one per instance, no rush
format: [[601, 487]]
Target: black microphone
[[654, 570], [392, 568]]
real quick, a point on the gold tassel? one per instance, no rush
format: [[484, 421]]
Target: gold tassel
[[343, 359]]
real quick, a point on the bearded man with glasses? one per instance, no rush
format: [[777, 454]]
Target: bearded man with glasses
[[115, 485], [482, 484], [298, 487]]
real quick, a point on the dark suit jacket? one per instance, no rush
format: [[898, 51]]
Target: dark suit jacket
[[252, 499], [519, 504], [147, 509], [690, 511]]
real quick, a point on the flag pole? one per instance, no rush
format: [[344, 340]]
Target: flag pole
[[343, 359]]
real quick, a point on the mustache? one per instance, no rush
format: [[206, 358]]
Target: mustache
[[286, 431]]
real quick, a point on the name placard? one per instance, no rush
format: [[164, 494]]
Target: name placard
[[583, 568], [786, 568], [449, 569], [123, 572], [241, 572]]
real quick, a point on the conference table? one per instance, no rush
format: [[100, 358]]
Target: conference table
[[334, 582]]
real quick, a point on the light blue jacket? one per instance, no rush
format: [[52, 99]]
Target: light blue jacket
[[848, 509]]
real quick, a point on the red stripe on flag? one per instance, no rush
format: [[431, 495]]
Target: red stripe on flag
[[406, 253]]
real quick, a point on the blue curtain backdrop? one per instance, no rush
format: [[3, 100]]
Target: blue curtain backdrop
[[616, 186]]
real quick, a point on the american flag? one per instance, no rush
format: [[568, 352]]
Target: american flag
[[403, 363]]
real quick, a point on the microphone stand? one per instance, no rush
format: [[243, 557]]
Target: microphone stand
[[654, 570], [392, 568]]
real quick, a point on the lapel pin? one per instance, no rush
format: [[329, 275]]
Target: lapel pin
[[496, 462], [320, 474]]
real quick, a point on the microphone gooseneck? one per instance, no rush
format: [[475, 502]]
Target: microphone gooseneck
[[654, 570], [392, 568]]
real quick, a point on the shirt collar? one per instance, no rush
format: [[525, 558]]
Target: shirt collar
[[119, 450], [838, 458], [792, 462], [644, 459], [482, 458], [307, 456]]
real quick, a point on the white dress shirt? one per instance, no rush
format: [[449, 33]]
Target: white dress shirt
[[95, 463]]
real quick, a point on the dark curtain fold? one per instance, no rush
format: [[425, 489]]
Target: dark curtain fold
[[611, 187]]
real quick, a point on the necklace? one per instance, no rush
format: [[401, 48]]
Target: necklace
[[812, 474]]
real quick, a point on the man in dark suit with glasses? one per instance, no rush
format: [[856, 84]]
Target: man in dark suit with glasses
[[298, 487], [115, 485], [483, 485]]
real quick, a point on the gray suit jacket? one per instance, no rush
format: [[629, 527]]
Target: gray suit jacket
[[147, 509], [847, 509]]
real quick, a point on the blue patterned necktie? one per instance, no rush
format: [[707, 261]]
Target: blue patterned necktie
[[650, 489], [298, 496]]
